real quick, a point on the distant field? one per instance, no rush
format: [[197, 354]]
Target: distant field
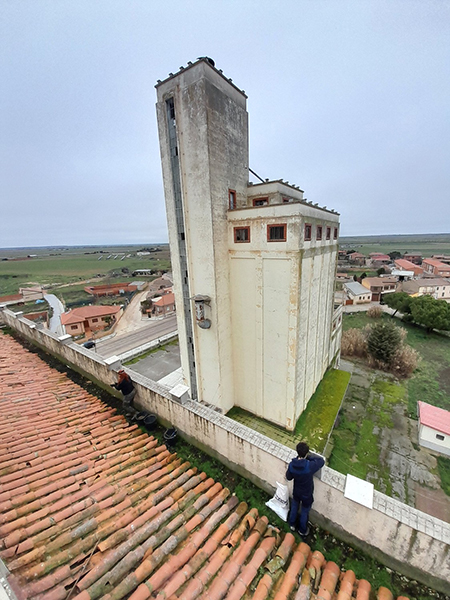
[[58, 266], [427, 245]]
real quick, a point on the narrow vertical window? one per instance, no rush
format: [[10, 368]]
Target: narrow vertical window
[[328, 233], [232, 199], [319, 232], [335, 235], [308, 232]]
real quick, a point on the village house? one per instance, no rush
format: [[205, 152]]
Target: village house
[[164, 305], [25, 295], [114, 289], [443, 258], [357, 293], [379, 286], [435, 267], [414, 257], [378, 259], [86, 320], [405, 265], [438, 288], [434, 428], [356, 258], [159, 284]]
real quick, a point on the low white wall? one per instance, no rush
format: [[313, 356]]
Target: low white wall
[[402, 537]]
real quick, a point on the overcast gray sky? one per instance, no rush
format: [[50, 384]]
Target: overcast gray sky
[[347, 99]]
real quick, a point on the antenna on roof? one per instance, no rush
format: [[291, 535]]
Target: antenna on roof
[[256, 175]]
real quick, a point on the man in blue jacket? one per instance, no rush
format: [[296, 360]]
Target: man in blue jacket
[[301, 470]]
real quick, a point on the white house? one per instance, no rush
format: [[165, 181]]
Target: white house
[[357, 292], [434, 427]]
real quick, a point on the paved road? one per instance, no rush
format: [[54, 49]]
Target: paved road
[[128, 341]]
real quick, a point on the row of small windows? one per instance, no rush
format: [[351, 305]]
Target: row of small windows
[[319, 232], [277, 233]]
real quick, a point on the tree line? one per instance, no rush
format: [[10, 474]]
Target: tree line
[[422, 310]]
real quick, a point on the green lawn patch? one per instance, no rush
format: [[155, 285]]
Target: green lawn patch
[[355, 440], [315, 423]]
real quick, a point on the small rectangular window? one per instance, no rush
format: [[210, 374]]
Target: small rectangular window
[[95, 320], [286, 200], [308, 232], [335, 235], [260, 201], [328, 233], [319, 232], [241, 234], [440, 437], [276, 233], [232, 199], [72, 327]]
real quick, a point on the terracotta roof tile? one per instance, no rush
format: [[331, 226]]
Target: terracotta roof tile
[[92, 507]]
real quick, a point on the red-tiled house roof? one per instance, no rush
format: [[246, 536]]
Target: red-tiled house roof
[[91, 507], [434, 417], [165, 300], [78, 315]]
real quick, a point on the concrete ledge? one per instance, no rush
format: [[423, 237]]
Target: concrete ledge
[[65, 339], [113, 363]]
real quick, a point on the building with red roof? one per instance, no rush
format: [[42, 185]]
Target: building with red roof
[[434, 427], [406, 265], [113, 289], [164, 305], [414, 257], [435, 267], [86, 319]]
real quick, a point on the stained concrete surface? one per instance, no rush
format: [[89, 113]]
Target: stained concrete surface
[[412, 468], [160, 363]]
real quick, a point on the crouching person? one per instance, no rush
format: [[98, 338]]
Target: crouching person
[[301, 469], [125, 385]]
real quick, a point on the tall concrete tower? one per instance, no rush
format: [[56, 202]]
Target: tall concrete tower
[[253, 265], [203, 131]]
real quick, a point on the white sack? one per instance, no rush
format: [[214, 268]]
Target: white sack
[[280, 501]]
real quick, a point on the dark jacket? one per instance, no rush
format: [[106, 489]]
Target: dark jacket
[[125, 386], [301, 470]]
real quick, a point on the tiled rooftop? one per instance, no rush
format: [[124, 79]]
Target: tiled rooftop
[[92, 507]]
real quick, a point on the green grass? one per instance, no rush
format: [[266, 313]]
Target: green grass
[[315, 423], [356, 439], [426, 244], [71, 265], [444, 473]]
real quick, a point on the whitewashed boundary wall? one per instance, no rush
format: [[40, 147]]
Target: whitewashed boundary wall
[[398, 535]]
